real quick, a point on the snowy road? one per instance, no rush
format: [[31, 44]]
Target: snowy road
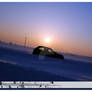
[[73, 69]]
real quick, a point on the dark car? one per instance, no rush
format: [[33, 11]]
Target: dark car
[[45, 51]]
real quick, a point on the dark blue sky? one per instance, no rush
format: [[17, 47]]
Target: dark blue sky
[[68, 25]]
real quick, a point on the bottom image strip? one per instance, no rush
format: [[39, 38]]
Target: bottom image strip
[[43, 84]]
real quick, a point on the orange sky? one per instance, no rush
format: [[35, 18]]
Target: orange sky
[[64, 46]]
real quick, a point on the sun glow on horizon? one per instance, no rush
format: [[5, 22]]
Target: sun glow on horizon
[[47, 40]]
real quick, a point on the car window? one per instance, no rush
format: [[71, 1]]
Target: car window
[[50, 51], [41, 48]]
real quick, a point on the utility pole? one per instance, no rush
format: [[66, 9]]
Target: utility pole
[[25, 41]]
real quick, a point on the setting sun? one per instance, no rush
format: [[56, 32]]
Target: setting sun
[[47, 40]]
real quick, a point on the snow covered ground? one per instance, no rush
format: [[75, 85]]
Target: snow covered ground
[[17, 63]]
